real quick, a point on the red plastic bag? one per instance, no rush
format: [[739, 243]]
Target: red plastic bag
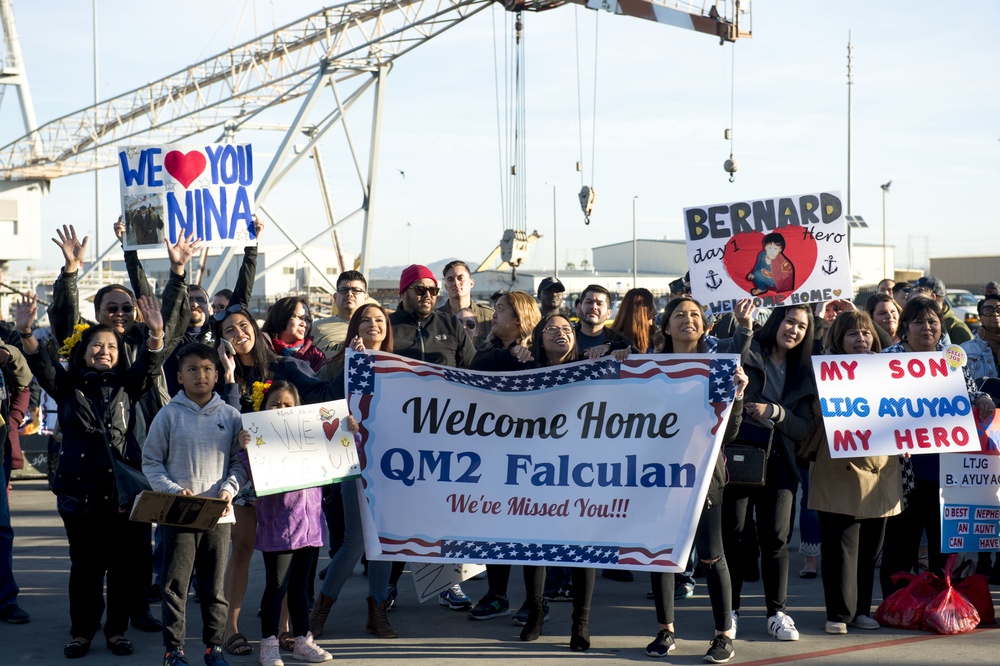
[[950, 612], [976, 588], [904, 609]]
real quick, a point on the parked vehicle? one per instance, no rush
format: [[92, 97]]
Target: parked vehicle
[[964, 303]]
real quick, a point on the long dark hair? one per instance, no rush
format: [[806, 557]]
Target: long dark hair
[[355, 325], [279, 314], [797, 361], [76, 362], [261, 355], [538, 346], [668, 343], [633, 318]]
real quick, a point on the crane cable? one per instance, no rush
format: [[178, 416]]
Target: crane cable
[[732, 165], [587, 194]]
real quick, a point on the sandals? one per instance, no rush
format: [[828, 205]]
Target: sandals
[[76, 648], [120, 646], [237, 645], [286, 641]]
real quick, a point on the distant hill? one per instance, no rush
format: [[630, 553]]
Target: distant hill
[[393, 272]]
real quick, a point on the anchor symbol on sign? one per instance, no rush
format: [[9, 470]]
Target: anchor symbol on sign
[[713, 281], [829, 264]]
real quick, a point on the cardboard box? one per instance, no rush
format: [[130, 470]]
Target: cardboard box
[[193, 512]]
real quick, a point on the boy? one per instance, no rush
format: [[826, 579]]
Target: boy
[[191, 449]]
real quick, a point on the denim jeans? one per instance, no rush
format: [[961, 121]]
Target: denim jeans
[[349, 554], [8, 586]]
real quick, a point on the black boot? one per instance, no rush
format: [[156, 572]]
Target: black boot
[[536, 618], [583, 581]]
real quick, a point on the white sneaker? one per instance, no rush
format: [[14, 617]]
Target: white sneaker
[[782, 627], [736, 618], [269, 654], [307, 650], [865, 622], [836, 627]]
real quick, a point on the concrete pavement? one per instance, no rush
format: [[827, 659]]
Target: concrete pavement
[[622, 620]]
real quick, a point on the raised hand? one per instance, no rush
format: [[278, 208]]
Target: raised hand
[[120, 229], [744, 312], [258, 225], [25, 312], [227, 362], [181, 252], [150, 308], [74, 250]]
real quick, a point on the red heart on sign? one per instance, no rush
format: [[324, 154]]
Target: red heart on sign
[[184, 167], [746, 259], [329, 430]]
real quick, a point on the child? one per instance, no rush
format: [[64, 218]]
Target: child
[[289, 534], [772, 271], [192, 449]]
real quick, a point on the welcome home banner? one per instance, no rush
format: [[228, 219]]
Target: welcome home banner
[[594, 463], [888, 404], [779, 251], [173, 190]]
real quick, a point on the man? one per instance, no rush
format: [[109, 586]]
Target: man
[[328, 333], [992, 289], [458, 283], [593, 338], [900, 291], [551, 293], [221, 300], [885, 286], [931, 287], [423, 333]]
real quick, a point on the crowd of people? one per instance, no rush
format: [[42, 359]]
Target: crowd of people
[[150, 395]]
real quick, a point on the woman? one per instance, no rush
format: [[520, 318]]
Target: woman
[[921, 330], [94, 394], [287, 328], [683, 329], [780, 396], [255, 366], [368, 329], [884, 311], [853, 497], [634, 319], [508, 347]]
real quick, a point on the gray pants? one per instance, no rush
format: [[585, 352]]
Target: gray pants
[[206, 553]]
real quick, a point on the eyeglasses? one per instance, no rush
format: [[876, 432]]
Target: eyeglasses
[[344, 291], [555, 330], [222, 314], [422, 291], [470, 324], [125, 309], [990, 311]]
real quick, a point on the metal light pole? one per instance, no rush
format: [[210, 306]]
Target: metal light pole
[[97, 172], [635, 264], [555, 238], [885, 191], [850, 83]]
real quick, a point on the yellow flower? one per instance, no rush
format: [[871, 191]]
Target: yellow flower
[[258, 392], [70, 342]]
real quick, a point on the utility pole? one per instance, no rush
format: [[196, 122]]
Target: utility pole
[[885, 191], [97, 172], [555, 238], [635, 263], [850, 84]]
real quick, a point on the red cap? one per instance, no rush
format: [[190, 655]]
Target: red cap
[[412, 273]]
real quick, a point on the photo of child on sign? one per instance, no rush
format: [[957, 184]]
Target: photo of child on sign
[[773, 271]]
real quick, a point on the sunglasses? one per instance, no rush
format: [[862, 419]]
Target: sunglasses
[[422, 291], [344, 291], [222, 314], [306, 319], [990, 311], [470, 324], [114, 309]]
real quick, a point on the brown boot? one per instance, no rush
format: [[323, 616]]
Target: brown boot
[[378, 621], [317, 618]]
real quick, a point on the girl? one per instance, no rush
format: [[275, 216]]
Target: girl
[[780, 395], [853, 498], [683, 331], [634, 319], [289, 534], [369, 329], [287, 326], [94, 394], [884, 311]]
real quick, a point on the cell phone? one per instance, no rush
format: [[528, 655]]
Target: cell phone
[[229, 347]]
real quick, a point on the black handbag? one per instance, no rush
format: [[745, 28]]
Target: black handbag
[[746, 457], [129, 481]]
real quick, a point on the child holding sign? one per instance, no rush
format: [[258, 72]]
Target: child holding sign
[[289, 535]]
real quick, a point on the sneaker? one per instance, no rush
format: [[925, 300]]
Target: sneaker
[[307, 650], [14, 614], [684, 591], [662, 645], [455, 599], [736, 618], [215, 657], [836, 627], [390, 597], [562, 594], [720, 651], [782, 627], [489, 607], [269, 652], [864, 622], [175, 658], [521, 616]]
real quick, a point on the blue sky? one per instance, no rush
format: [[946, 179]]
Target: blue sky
[[926, 103]]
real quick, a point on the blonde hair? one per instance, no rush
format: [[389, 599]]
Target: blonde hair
[[527, 314]]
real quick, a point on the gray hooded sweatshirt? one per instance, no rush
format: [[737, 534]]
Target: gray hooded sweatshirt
[[194, 447]]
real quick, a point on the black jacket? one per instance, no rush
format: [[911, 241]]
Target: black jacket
[[438, 339], [90, 402]]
